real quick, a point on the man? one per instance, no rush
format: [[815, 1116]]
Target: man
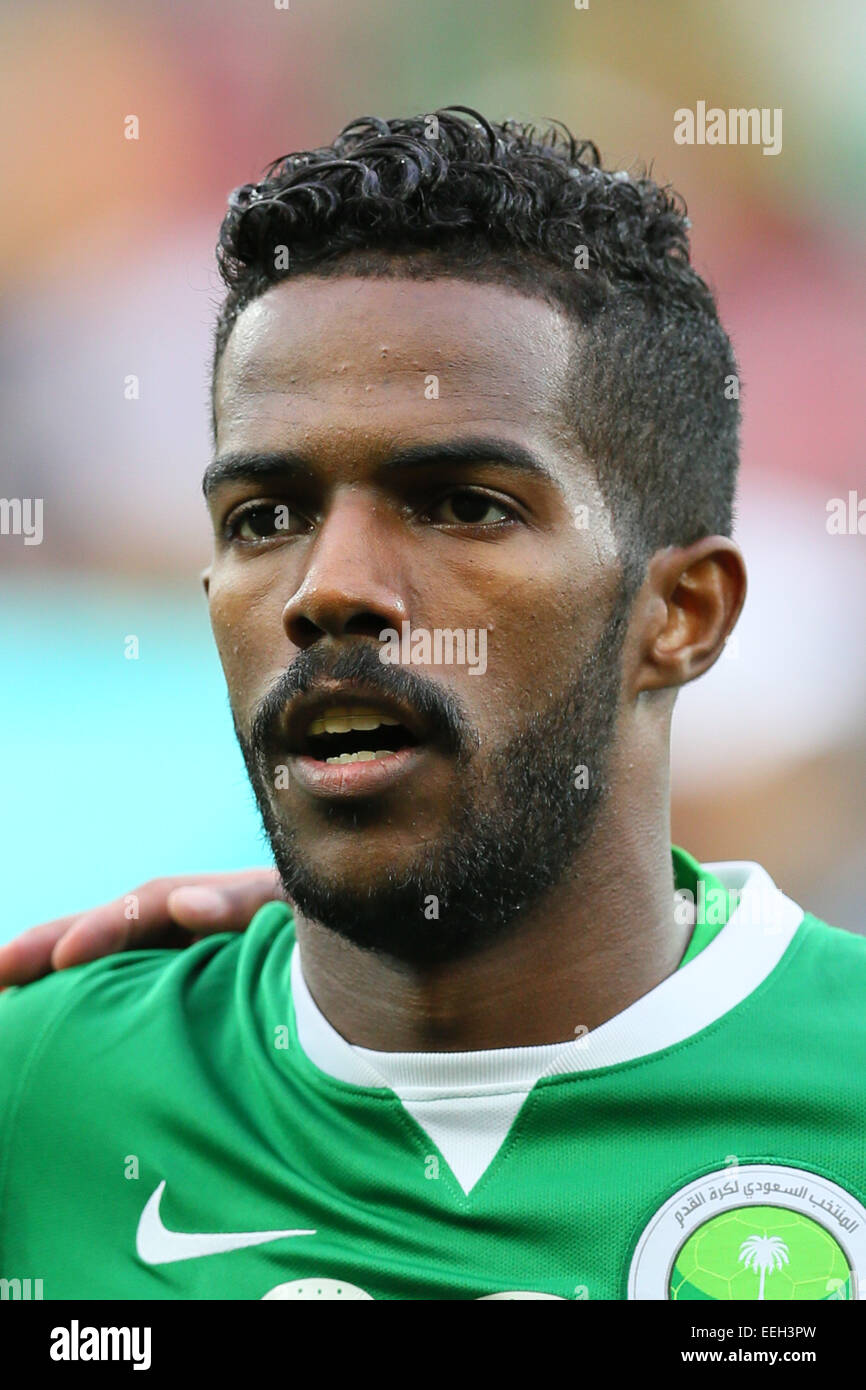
[[474, 466]]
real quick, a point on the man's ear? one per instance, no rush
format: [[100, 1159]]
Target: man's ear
[[688, 605], [205, 579]]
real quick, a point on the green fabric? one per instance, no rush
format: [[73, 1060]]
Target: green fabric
[[710, 898], [184, 1068]]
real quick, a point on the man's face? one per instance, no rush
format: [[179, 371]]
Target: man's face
[[394, 452]]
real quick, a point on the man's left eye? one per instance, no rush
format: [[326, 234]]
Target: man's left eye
[[466, 508]]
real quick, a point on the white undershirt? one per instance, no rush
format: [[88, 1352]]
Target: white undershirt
[[466, 1102]]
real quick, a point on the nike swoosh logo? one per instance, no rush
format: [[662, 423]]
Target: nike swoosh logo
[[157, 1245]]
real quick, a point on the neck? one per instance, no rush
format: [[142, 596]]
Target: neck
[[603, 938]]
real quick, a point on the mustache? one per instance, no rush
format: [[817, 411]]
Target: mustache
[[443, 713]]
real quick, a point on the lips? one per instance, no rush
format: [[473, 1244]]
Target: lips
[[364, 777]]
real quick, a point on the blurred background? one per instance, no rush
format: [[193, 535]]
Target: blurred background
[[118, 757]]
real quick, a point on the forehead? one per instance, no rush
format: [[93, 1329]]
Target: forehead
[[353, 352]]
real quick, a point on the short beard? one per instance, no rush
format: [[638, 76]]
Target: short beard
[[542, 793]]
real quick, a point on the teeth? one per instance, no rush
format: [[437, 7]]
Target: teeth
[[363, 756], [341, 719]]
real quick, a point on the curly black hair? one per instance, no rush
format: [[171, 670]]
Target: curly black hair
[[453, 194]]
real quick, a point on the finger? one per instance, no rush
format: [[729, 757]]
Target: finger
[[28, 957], [137, 919], [224, 905]]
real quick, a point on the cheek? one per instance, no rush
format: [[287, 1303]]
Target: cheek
[[248, 631], [540, 628]]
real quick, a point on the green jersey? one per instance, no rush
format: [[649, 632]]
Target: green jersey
[[188, 1125]]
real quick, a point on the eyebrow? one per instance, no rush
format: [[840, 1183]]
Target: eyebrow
[[250, 467], [241, 467]]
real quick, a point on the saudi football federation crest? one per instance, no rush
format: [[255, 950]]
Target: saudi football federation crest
[[753, 1232]]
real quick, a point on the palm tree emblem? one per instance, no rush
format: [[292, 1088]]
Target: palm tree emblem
[[765, 1254]]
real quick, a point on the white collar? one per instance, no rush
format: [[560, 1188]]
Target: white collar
[[497, 1081]]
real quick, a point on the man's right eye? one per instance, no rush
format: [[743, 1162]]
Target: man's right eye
[[262, 521]]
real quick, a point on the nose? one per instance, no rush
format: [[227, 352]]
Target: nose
[[351, 586]]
